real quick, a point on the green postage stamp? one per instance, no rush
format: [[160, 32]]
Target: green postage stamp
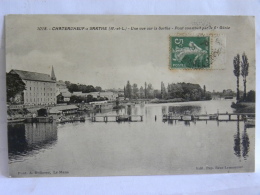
[[189, 52]]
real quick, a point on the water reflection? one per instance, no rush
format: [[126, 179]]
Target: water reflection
[[28, 138], [181, 109], [237, 141], [107, 139], [244, 143]]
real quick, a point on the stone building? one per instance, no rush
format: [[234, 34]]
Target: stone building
[[40, 88]]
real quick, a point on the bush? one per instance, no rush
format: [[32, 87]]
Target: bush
[[250, 97]]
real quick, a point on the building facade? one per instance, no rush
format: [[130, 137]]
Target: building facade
[[40, 89]]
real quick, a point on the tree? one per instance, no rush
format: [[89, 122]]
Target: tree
[[195, 94], [163, 91], [244, 72], [250, 97], [89, 98], [67, 83], [128, 90], [187, 91], [73, 87], [99, 89], [145, 90], [236, 71], [76, 99], [14, 85], [157, 94], [149, 91], [176, 91], [141, 92], [208, 96], [135, 91]]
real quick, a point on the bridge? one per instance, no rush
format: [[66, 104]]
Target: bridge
[[116, 118], [217, 116]]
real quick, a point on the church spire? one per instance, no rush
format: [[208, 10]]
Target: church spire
[[53, 77]]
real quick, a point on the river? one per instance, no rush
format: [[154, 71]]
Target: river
[[150, 147]]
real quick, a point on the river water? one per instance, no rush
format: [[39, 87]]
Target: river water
[[150, 147]]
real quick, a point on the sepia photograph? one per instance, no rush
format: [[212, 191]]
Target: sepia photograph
[[121, 95]]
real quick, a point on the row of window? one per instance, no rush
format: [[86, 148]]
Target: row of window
[[47, 94], [39, 99], [39, 88]]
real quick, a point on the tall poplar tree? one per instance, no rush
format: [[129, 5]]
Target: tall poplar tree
[[244, 72], [236, 71]]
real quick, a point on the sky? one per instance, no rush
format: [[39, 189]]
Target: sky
[[111, 58]]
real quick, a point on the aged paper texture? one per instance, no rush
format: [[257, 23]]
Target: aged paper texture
[[92, 95]]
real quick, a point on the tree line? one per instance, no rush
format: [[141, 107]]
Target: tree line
[[186, 91], [72, 87]]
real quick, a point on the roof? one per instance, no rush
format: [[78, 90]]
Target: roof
[[56, 109], [33, 76], [66, 94]]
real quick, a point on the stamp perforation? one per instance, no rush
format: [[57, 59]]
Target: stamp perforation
[[211, 50]]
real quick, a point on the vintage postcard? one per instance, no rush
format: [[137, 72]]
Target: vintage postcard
[[104, 95]]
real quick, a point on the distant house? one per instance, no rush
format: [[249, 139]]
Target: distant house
[[62, 89], [66, 96], [40, 88], [77, 93], [109, 95], [65, 109], [94, 94]]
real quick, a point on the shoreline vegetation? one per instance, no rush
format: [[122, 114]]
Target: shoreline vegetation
[[245, 101], [244, 107], [159, 101]]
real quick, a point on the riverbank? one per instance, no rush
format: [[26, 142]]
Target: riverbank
[[160, 101], [244, 107], [175, 100]]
